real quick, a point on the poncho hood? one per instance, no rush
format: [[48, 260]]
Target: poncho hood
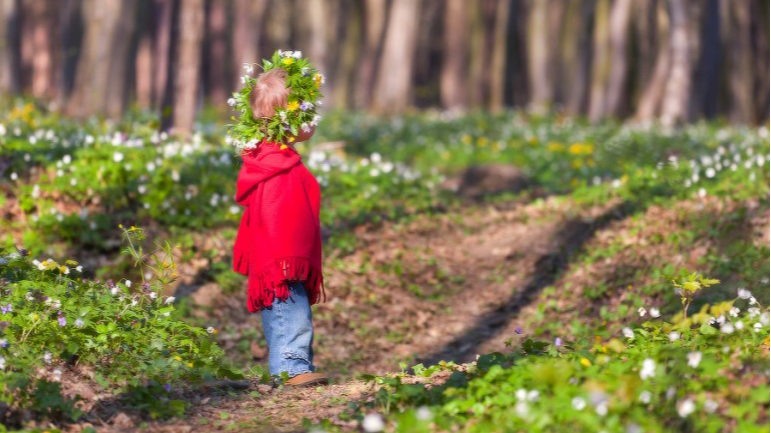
[[265, 162]]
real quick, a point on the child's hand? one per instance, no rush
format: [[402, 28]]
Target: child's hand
[[303, 136]]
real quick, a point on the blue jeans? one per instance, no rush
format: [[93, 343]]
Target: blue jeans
[[289, 331]]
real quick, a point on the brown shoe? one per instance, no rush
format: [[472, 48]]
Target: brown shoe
[[307, 379]]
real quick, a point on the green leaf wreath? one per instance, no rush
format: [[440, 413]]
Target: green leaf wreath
[[299, 115]]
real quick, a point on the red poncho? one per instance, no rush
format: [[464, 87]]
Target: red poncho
[[279, 239]]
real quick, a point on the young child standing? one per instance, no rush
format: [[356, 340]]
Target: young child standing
[[278, 245]]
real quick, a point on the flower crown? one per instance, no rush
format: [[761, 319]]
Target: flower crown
[[304, 82]]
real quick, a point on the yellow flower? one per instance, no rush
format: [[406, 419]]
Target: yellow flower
[[177, 357], [291, 139], [292, 106], [288, 61], [189, 364], [581, 148], [282, 147], [585, 362], [317, 78], [554, 146], [35, 316], [120, 226]]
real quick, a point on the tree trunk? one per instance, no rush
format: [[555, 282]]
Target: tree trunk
[[517, 68], [216, 68], [42, 28], [316, 14], [143, 67], [121, 57], [678, 87], [247, 26], [740, 75], [10, 51], [70, 36], [577, 67], [650, 98], [600, 62], [164, 17], [760, 31], [393, 85], [188, 77], [706, 99], [375, 14], [277, 30], [350, 49], [428, 55], [498, 67], [619, 31], [555, 22], [454, 76], [539, 74], [93, 79]]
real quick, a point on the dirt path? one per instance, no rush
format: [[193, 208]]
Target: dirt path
[[437, 288], [444, 287]]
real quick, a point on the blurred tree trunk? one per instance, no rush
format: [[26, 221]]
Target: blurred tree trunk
[[539, 74], [555, 23], [653, 90], [277, 30], [645, 46], [453, 78], [248, 18], [498, 64], [740, 73], [760, 33], [393, 85], [121, 58], [578, 61], [163, 19], [42, 28], [764, 18], [216, 67], [600, 61], [143, 66], [478, 54], [428, 55], [709, 64], [346, 68], [188, 65], [375, 14], [171, 64], [10, 51], [518, 53], [678, 86], [619, 52], [70, 36], [92, 80]]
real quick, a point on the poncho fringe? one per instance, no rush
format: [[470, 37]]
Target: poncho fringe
[[263, 286]]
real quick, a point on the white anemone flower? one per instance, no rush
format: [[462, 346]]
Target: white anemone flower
[[694, 359], [685, 407], [578, 403], [655, 313], [372, 422], [642, 311], [628, 333], [648, 369]]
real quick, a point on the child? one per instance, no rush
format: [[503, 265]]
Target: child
[[279, 240]]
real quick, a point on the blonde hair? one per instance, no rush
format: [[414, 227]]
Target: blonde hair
[[269, 93]]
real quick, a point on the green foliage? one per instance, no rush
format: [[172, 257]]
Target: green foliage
[[54, 322], [663, 377]]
